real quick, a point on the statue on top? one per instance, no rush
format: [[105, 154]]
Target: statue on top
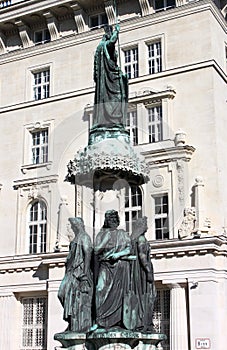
[[111, 85]]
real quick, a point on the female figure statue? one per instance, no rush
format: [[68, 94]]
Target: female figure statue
[[76, 289], [143, 276], [112, 248], [111, 90]]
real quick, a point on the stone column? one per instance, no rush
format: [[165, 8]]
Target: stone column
[[178, 318], [55, 314], [8, 321]]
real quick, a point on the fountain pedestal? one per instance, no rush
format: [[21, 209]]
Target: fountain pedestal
[[114, 340]]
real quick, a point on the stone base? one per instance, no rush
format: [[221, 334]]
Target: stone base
[[114, 340]]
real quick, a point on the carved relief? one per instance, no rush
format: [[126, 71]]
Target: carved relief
[[180, 179], [187, 226], [158, 181]]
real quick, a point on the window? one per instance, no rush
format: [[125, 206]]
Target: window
[[34, 323], [41, 84], [37, 227], [155, 125], [131, 63], [39, 149], [161, 316], [161, 217], [41, 36], [162, 5], [5, 3], [98, 21], [133, 206], [155, 57], [131, 126]]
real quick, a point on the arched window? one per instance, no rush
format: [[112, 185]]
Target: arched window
[[133, 206], [37, 227]]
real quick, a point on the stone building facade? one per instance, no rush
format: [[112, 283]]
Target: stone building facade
[[175, 55]]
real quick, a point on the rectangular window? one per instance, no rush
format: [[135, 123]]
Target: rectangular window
[[131, 63], [161, 217], [41, 36], [39, 148], [161, 316], [133, 206], [37, 226], [131, 126], [41, 84], [162, 5], [98, 21], [155, 57], [155, 125], [34, 324]]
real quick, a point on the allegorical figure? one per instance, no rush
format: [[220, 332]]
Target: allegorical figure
[[143, 276], [111, 85], [112, 247], [76, 289]]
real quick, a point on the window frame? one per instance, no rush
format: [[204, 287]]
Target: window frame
[[130, 209], [133, 63], [161, 216], [27, 146], [161, 316], [154, 127], [39, 223], [131, 125], [157, 58], [42, 87], [99, 17], [33, 327], [165, 6], [39, 149], [45, 38]]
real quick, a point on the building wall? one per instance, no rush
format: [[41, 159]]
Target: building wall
[[191, 88]]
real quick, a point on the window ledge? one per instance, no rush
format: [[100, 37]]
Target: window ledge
[[26, 167]]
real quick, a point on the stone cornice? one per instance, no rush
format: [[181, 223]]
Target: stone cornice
[[167, 154], [126, 25], [142, 79], [167, 249], [35, 181], [31, 262]]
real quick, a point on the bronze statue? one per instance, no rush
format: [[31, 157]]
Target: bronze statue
[[113, 248], [111, 85], [143, 276], [76, 289]]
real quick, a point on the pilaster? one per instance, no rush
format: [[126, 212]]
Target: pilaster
[[178, 318], [8, 320], [55, 312]]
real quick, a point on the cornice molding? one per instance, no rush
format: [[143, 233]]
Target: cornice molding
[[167, 154], [31, 262], [35, 181], [167, 249], [146, 78], [213, 245]]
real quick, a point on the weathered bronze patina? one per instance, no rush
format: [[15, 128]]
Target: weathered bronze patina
[[111, 92]]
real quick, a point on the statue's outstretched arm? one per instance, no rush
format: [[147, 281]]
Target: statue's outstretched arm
[[114, 36]]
